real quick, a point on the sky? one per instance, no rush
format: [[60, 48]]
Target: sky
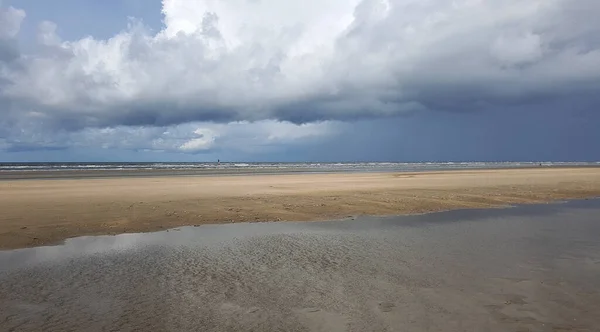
[[299, 80]]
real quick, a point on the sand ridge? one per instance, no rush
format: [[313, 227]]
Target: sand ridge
[[39, 212]]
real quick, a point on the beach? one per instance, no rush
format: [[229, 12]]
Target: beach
[[528, 268], [47, 211]]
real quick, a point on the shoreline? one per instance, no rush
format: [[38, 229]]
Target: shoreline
[[17, 175], [152, 173], [45, 212], [428, 216]]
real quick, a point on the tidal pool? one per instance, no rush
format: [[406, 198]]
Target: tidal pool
[[527, 268]]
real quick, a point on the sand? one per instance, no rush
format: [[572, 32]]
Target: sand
[[40, 212]]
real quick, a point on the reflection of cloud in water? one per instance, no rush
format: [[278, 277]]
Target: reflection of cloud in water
[[204, 235]]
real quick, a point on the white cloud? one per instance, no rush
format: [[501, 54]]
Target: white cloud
[[204, 141], [10, 21], [47, 34], [250, 63], [256, 137]]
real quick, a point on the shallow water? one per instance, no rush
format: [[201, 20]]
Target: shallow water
[[529, 268]]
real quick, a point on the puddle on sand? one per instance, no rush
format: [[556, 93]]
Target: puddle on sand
[[528, 267]]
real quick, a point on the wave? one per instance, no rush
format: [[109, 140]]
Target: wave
[[348, 166]]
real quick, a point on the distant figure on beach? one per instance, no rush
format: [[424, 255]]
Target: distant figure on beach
[[218, 161]]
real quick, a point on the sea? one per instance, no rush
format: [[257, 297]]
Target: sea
[[275, 166]]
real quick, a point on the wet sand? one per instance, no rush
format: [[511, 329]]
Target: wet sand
[[145, 173], [530, 268], [40, 212]]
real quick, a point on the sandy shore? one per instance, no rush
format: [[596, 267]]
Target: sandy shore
[[38, 212]]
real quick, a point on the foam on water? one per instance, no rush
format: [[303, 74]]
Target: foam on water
[[349, 166]]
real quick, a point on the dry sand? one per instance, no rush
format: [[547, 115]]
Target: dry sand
[[38, 212]]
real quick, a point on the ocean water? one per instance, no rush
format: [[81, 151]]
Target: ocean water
[[341, 166]]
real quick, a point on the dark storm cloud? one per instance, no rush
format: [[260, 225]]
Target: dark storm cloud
[[391, 58]]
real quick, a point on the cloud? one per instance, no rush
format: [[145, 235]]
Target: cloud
[[10, 24], [245, 62], [204, 141], [256, 137]]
